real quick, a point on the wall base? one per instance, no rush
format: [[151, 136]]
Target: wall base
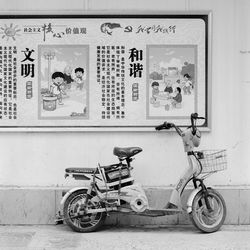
[[39, 206]]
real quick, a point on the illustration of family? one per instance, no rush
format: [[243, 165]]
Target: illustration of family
[[62, 82], [171, 96]]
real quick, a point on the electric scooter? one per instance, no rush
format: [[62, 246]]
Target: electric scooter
[[112, 188]]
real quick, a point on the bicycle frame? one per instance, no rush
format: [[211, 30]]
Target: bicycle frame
[[106, 195]]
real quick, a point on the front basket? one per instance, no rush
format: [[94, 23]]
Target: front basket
[[212, 160]]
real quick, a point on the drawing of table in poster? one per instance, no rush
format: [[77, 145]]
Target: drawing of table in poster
[[103, 71]]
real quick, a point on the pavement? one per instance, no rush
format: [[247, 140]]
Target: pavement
[[56, 237]]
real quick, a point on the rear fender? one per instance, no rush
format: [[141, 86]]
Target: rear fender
[[191, 198], [70, 192]]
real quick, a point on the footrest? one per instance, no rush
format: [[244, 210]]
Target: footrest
[[161, 212]]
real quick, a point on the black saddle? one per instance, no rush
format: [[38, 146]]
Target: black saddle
[[126, 152]]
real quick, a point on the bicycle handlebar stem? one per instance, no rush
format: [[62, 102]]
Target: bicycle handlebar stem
[[178, 130]]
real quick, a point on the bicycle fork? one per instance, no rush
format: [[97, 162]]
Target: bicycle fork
[[204, 191]]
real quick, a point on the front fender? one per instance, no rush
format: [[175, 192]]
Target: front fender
[[70, 192], [191, 198]]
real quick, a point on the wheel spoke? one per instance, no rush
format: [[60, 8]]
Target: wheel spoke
[[94, 222], [77, 223]]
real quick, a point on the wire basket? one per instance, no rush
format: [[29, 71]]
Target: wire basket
[[212, 160]]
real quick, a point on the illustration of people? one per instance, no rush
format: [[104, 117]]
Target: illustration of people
[[57, 86], [67, 77], [155, 90], [168, 88], [79, 72], [188, 84], [177, 99], [178, 82]]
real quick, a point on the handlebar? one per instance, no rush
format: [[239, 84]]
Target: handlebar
[[165, 125], [193, 118]]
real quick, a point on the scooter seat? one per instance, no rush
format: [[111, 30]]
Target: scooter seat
[[126, 152]]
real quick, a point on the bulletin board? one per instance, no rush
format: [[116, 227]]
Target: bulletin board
[[108, 71]]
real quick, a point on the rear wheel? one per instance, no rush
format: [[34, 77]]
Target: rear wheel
[[82, 223], [205, 220]]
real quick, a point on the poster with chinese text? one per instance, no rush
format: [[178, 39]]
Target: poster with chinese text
[[103, 71]]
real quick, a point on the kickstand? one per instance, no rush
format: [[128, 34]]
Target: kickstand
[[59, 218]]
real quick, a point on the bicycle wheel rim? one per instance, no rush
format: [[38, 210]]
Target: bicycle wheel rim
[[85, 221], [209, 219]]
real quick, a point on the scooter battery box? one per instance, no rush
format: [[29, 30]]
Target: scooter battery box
[[117, 174]]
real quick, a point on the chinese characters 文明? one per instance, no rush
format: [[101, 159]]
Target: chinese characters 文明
[[27, 68]]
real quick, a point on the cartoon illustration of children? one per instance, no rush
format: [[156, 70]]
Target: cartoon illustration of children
[[79, 78], [178, 81], [67, 77], [177, 99], [155, 90], [168, 88], [57, 87], [188, 84]]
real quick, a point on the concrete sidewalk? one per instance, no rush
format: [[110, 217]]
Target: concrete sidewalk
[[163, 238]]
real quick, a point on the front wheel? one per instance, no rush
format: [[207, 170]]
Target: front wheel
[[205, 220], [83, 223]]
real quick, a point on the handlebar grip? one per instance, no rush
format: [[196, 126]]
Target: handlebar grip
[[169, 125], [165, 125], [196, 117], [160, 127]]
